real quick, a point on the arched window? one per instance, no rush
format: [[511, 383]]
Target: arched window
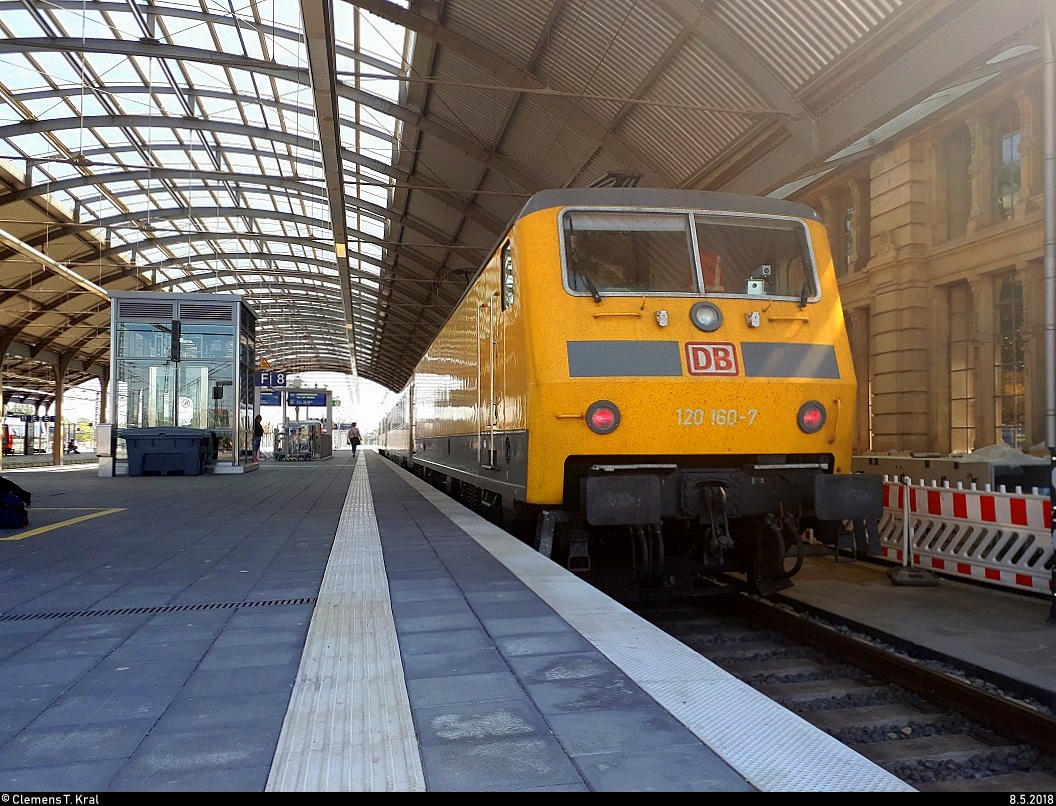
[[1010, 365], [962, 369], [849, 223], [1007, 162]]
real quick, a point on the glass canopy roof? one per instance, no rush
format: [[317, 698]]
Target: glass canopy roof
[[180, 139]]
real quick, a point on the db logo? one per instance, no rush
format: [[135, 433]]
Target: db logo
[[711, 358]]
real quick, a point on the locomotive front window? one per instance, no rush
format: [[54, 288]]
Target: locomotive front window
[[609, 253], [628, 253], [755, 257]]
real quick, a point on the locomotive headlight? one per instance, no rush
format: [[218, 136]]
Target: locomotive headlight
[[603, 417], [706, 316], [811, 417]]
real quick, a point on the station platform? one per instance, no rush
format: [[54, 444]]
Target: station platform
[[339, 625], [19, 461], [1005, 635]]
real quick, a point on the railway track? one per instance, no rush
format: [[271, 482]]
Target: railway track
[[923, 721]]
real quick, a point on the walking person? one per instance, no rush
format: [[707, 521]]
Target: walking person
[[258, 435], [354, 438]]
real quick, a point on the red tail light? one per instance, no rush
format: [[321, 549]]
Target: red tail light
[[811, 417], [603, 417]]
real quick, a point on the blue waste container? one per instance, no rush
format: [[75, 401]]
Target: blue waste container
[[167, 451]]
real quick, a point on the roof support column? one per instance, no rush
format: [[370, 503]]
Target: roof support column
[[6, 337], [104, 386], [1049, 183], [57, 443]]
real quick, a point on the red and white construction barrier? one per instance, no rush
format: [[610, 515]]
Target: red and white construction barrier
[[1001, 538]]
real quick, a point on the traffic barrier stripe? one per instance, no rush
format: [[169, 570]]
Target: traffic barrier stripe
[[1016, 580], [1000, 538], [1011, 509]]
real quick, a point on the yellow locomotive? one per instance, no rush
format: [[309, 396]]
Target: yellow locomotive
[[668, 365]]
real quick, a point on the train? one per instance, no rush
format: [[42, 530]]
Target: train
[[657, 373]]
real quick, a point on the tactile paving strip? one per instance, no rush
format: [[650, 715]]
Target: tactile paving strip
[[348, 727]]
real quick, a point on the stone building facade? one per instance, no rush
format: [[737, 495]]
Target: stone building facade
[[938, 240]]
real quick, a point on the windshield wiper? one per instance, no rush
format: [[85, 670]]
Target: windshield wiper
[[576, 273], [590, 284]]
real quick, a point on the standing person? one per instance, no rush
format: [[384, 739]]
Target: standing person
[[354, 438], [258, 435]]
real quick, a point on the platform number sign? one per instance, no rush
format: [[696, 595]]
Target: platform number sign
[[270, 378]]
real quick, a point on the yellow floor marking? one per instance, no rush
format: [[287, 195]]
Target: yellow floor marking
[[69, 522]]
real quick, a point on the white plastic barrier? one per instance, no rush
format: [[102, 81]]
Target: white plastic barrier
[[1001, 538]]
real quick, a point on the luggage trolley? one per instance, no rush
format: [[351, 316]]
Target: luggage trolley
[[297, 441]]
